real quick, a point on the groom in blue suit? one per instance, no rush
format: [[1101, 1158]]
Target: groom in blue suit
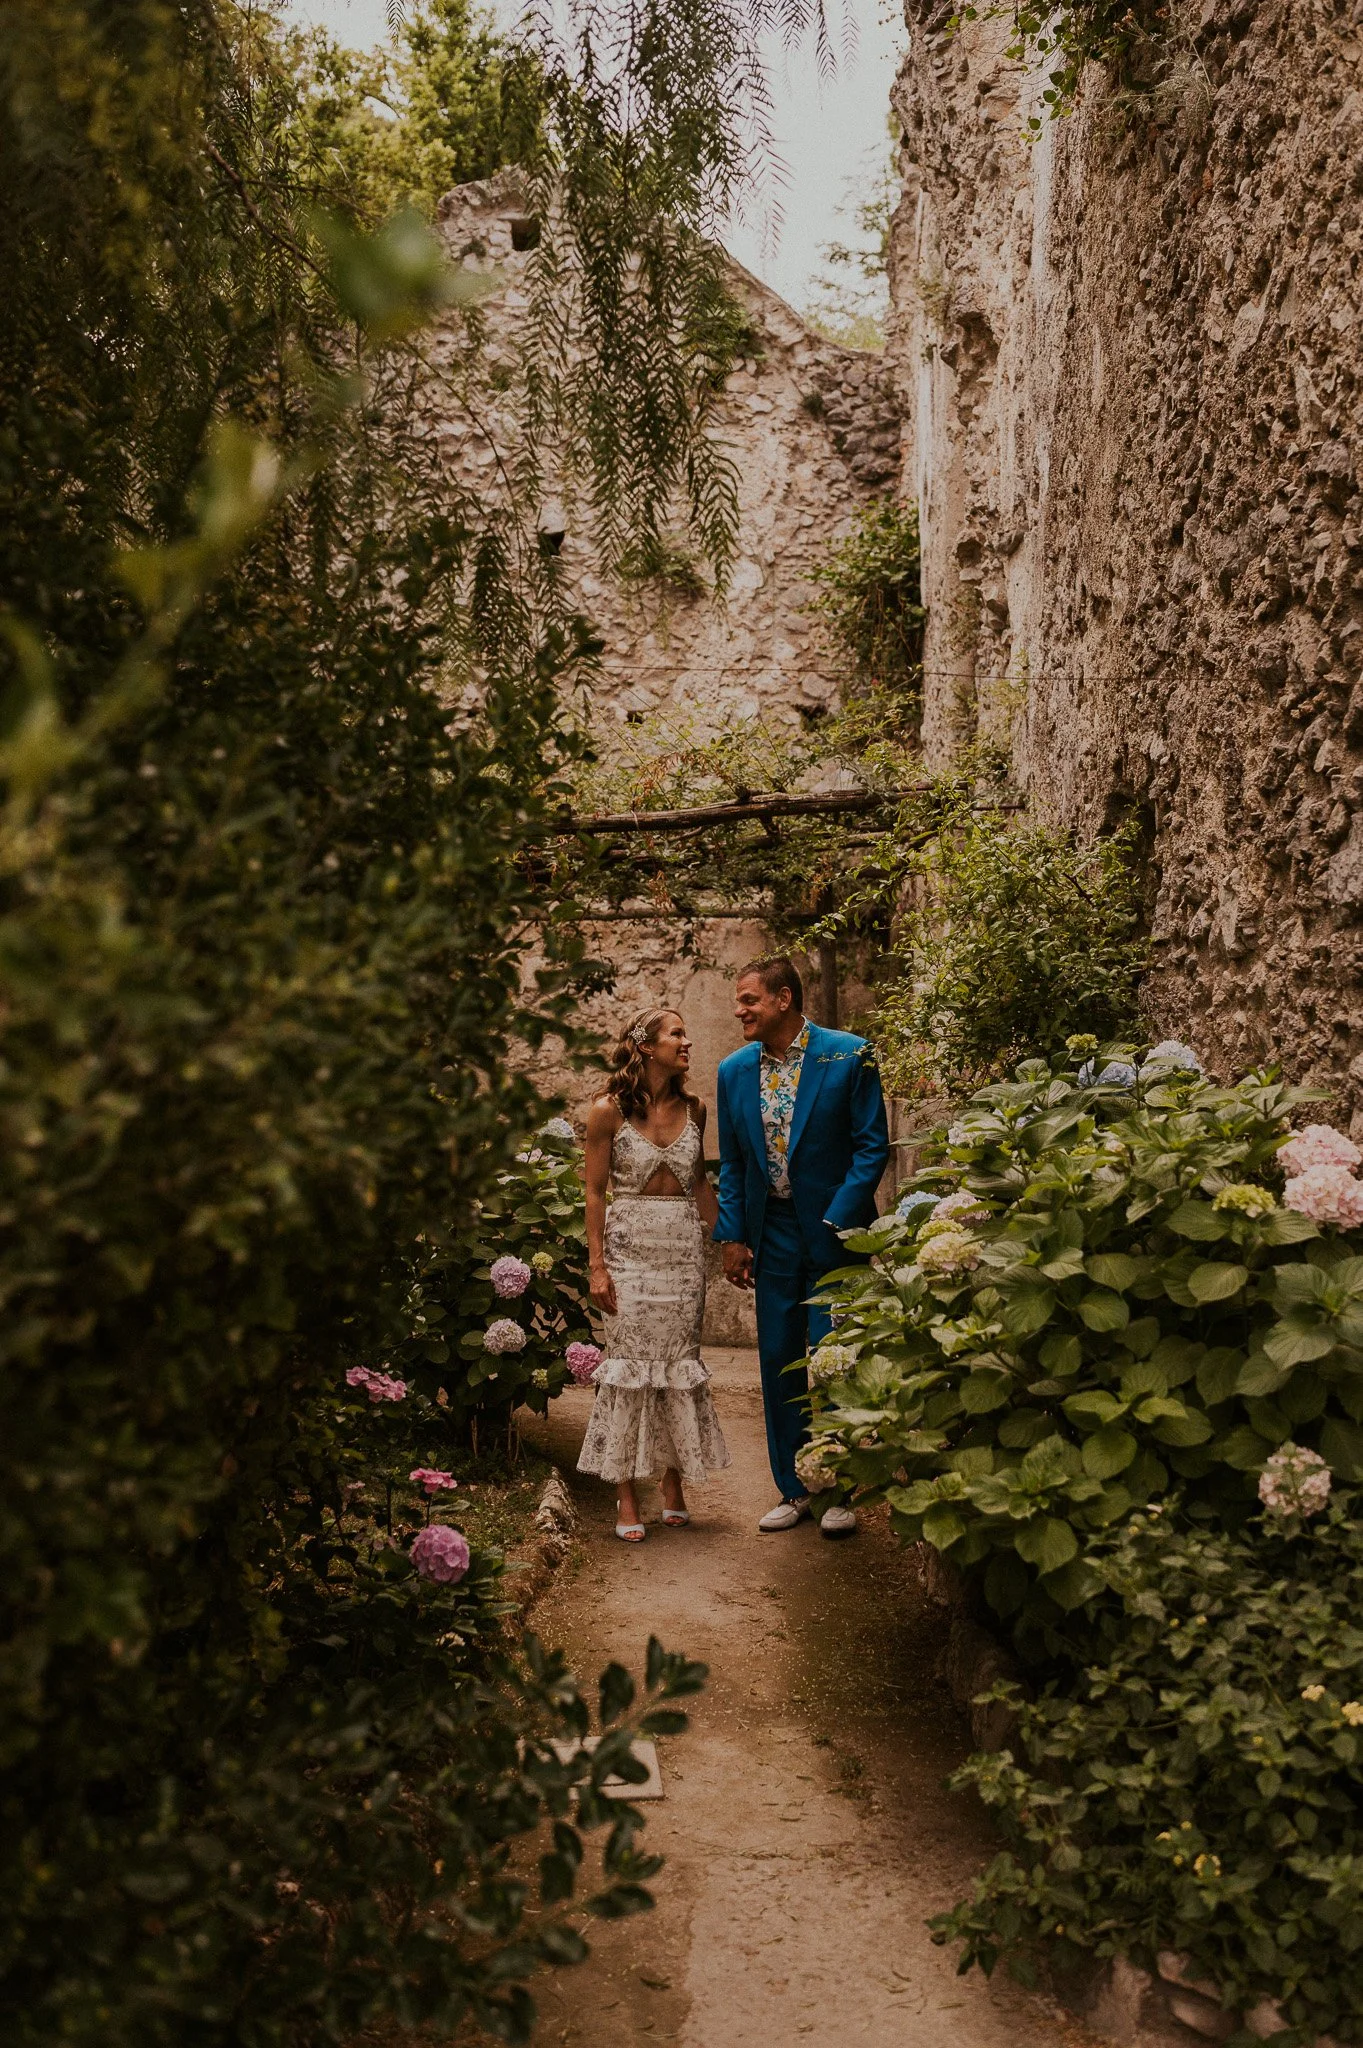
[[803, 1143]]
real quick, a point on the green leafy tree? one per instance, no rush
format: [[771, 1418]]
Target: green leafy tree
[[450, 101], [262, 907]]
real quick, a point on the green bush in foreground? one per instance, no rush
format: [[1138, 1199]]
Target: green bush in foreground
[[1199, 1786], [1117, 1305]]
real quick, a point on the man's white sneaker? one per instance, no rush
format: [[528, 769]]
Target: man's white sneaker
[[839, 1521], [784, 1515]]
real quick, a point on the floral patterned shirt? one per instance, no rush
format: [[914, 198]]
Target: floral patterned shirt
[[780, 1079]]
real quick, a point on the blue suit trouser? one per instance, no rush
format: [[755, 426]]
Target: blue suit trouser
[[788, 1326]]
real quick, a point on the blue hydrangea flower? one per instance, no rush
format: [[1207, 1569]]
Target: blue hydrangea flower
[[1116, 1074], [916, 1204]]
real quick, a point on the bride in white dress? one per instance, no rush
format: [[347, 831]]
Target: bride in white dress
[[646, 1141]]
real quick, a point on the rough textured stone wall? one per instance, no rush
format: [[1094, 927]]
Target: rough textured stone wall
[[1129, 353], [814, 432]]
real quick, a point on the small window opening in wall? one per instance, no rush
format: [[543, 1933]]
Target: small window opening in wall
[[525, 231], [551, 540]]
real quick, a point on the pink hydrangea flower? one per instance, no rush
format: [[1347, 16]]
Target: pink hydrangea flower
[[440, 1553], [432, 1481], [509, 1277], [1327, 1194], [1295, 1481], [1318, 1145], [504, 1335], [379, 1386], [582, 1361]]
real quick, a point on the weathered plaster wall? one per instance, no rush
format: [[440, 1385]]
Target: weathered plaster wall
[[1129, 354]]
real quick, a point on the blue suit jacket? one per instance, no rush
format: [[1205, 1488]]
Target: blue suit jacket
[[839, 1143]]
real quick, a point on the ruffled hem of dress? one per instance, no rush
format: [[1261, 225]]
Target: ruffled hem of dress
[[672, 1375], [638, 1432]]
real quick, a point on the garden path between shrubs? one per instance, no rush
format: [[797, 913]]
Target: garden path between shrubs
[[806, 1827]]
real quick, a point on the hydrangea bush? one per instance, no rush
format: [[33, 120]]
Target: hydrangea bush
[[1197, 1783], [1114, 1294], [497, 1312]]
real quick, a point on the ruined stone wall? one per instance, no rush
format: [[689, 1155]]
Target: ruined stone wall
[[814, 432], [1129, 353]]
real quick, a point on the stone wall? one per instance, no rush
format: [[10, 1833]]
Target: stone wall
[[1129, 355], [814, 432]]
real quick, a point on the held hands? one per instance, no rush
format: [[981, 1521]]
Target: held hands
[[738, 1265], [601, 1288]]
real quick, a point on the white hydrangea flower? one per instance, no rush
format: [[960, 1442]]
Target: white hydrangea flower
[[832, 1362], [812, 1472], [504, 1335], [952, 1251]]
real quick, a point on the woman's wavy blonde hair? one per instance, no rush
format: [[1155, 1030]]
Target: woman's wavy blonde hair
[[628, 1084]]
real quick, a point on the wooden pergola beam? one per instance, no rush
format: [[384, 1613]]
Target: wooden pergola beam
[[774, 804]]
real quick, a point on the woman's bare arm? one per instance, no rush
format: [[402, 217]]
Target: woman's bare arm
[[707, 1201], [603, 1121]]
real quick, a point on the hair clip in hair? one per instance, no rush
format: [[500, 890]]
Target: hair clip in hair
[[639, 1033]]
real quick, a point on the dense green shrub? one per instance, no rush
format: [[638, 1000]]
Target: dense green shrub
[[1119, 1305], [1014, 938], [1197, 1785], [870, 598], [535, 1215]]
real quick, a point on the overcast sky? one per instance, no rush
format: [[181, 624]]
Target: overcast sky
[[827, 131]]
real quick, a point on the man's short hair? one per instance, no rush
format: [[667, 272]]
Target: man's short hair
[[776, 971]]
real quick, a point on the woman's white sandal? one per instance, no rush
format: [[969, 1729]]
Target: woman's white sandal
[[676, 1518], [629, 1532]]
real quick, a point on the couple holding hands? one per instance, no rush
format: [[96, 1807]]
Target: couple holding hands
[[803, 1142]]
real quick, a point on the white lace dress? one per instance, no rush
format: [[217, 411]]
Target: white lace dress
[[653, 1405]]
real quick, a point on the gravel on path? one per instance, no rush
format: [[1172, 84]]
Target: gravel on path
[[806, 1827]]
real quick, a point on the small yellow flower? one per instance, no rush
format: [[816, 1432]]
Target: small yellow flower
[[1201, 1620], [1166, 1836], [1185, 1824], [1178, 1863], [1352, 1711], [1313, 1693], [1207, 1866]]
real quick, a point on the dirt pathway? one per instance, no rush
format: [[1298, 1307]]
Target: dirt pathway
[[806, 1830]]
